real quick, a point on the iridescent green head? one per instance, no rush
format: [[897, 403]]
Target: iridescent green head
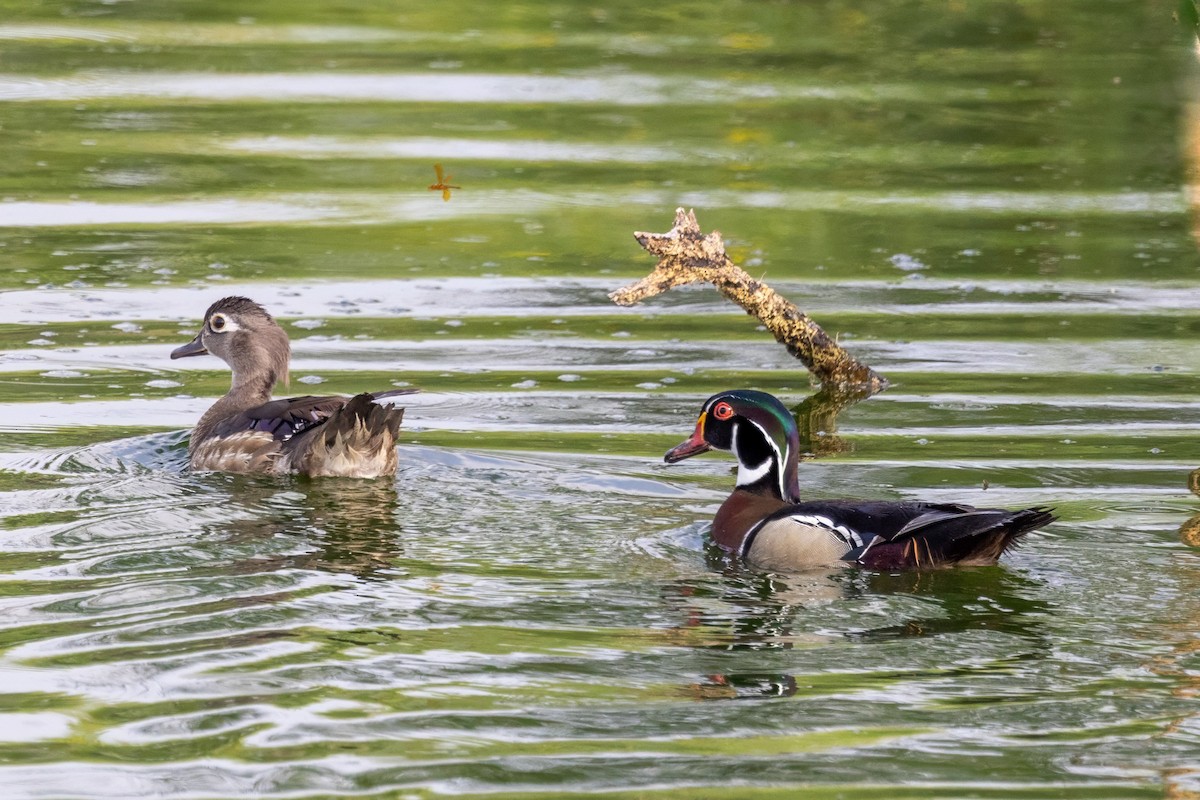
[[758, 430]]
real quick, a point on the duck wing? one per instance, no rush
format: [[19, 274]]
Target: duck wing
[[944, 533], [286, 417]]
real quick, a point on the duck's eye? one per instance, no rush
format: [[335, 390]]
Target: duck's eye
[[722, 410], [217, 322]]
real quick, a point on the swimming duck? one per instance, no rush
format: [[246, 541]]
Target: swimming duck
[[767, 525], [247, 431]]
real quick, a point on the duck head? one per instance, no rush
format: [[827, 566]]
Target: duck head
[[241, 333], [759, 431]]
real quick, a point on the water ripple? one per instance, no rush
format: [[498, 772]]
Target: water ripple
[[363, 208], [617, 88]]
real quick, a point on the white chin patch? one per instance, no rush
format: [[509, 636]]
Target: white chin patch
[[748, 475]]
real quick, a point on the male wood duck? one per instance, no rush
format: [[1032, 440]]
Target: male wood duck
[[247, 431], [767, 525]]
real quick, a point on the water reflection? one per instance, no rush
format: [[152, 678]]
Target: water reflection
[[762, 612], [1180, 775], [967, 598], [816, 417], [355, 526], [344, 526], [1189, 531]]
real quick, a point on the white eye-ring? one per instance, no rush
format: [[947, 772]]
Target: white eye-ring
[[221, 323]]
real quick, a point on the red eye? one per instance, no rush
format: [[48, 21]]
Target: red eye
[[722, 410]]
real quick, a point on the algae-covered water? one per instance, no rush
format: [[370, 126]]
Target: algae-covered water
[[983, 200]]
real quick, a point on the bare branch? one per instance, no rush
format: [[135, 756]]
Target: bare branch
[[685, 256]]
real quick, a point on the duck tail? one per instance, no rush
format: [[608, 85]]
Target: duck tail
[[357, 441], [985, 546], [974, 538]]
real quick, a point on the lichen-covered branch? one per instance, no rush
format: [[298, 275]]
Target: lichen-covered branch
[[685, 256]]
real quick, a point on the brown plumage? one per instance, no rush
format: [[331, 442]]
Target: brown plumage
[[247, 431]]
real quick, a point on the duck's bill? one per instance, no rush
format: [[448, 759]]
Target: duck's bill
[[192, 348], [692, 447]]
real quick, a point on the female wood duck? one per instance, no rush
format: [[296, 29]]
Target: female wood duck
[[765, 522], [247, 431]]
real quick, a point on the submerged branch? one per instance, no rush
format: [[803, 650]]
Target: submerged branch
[[685, 256]]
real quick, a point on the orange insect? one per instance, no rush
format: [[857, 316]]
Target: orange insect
[[443, 183]]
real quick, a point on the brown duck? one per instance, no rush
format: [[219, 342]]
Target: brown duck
[[767, 525], [247, 431]]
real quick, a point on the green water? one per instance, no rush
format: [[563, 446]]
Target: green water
[[984, 200]]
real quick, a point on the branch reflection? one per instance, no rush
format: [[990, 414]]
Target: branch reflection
[[816, 417]]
